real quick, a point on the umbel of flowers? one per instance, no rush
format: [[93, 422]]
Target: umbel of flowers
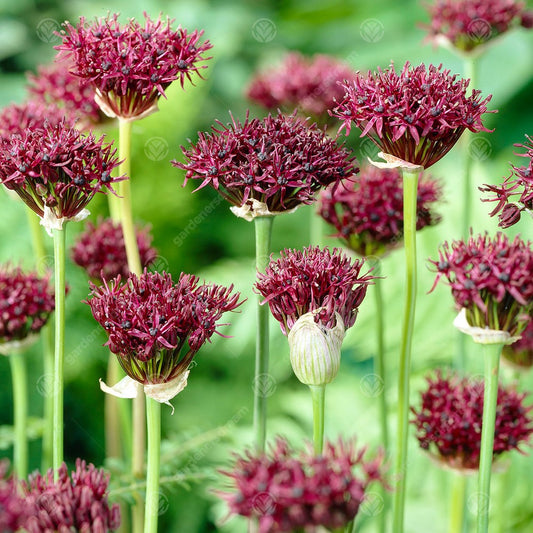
[[367, 213], [515, 194], [449, 420], [285, 490], [130, 66]]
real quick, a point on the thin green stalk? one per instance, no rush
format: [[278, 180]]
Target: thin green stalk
[[410, 186], [19, 379], [457, 503], [59, 351], [318, 394], [263, 234], [111, 411], [316, 227], [490, 398], [153, 418]]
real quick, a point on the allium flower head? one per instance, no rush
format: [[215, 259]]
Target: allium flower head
[[491, 280], [54, 84], [448, 422], [263, 167], [72, 503], [468, 24], [14, 509], [155, 326], [309, 84], [130, 66], [56, 170], [515, 194], [416, 115], [289, 491], [26, 302], [520, 353], [368, 212], [100, 250]]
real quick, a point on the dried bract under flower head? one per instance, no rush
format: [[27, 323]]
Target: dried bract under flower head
[[520, 353], [288, 491], [515, 194], [72, 503], [55, 169], [491, 279], [155, 326], [309, 84], [469, 24], [416, 115], [368, 212], [100, 250], [130, 66], [26, 302], [267, 166], [448, 423]]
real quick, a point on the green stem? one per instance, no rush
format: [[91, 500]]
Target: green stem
[[153, 419], [59, 351], [410, 186], [457, 504], [19, 378], [316, 227], [490, 399], [318, 394], [111, 411], [263, 234], [137, 460]]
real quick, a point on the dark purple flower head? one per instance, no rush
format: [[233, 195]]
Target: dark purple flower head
[[26, 302], [491, 279], [56, 169], [16, 118], [130, 66], [289, 491], [416, 115], [315, 280], [72, 503], [518, 187], [520, 353], [467, 24], [155, 326], [100, 250], [267, 166], [368, 212], [309, 84], [54, 84], [448, 423], [14, 509]]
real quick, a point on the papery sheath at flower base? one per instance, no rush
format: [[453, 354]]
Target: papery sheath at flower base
[[286, 491], [515, 195], [130, 66]]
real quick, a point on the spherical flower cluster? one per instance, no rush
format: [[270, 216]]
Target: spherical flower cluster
[[368, 212], [448, 422], [56, 170], [309, 84], [72, 503], [156, 327], [14, 510], [518, 187], [100, 250], [55, 85], [520, 353], [26, 302], [415, 116], [130, 66], [263, 167], [286, 491], [491, 279], [467, 24], [16, 118]]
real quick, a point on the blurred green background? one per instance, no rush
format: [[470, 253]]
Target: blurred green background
[[197, 233]]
